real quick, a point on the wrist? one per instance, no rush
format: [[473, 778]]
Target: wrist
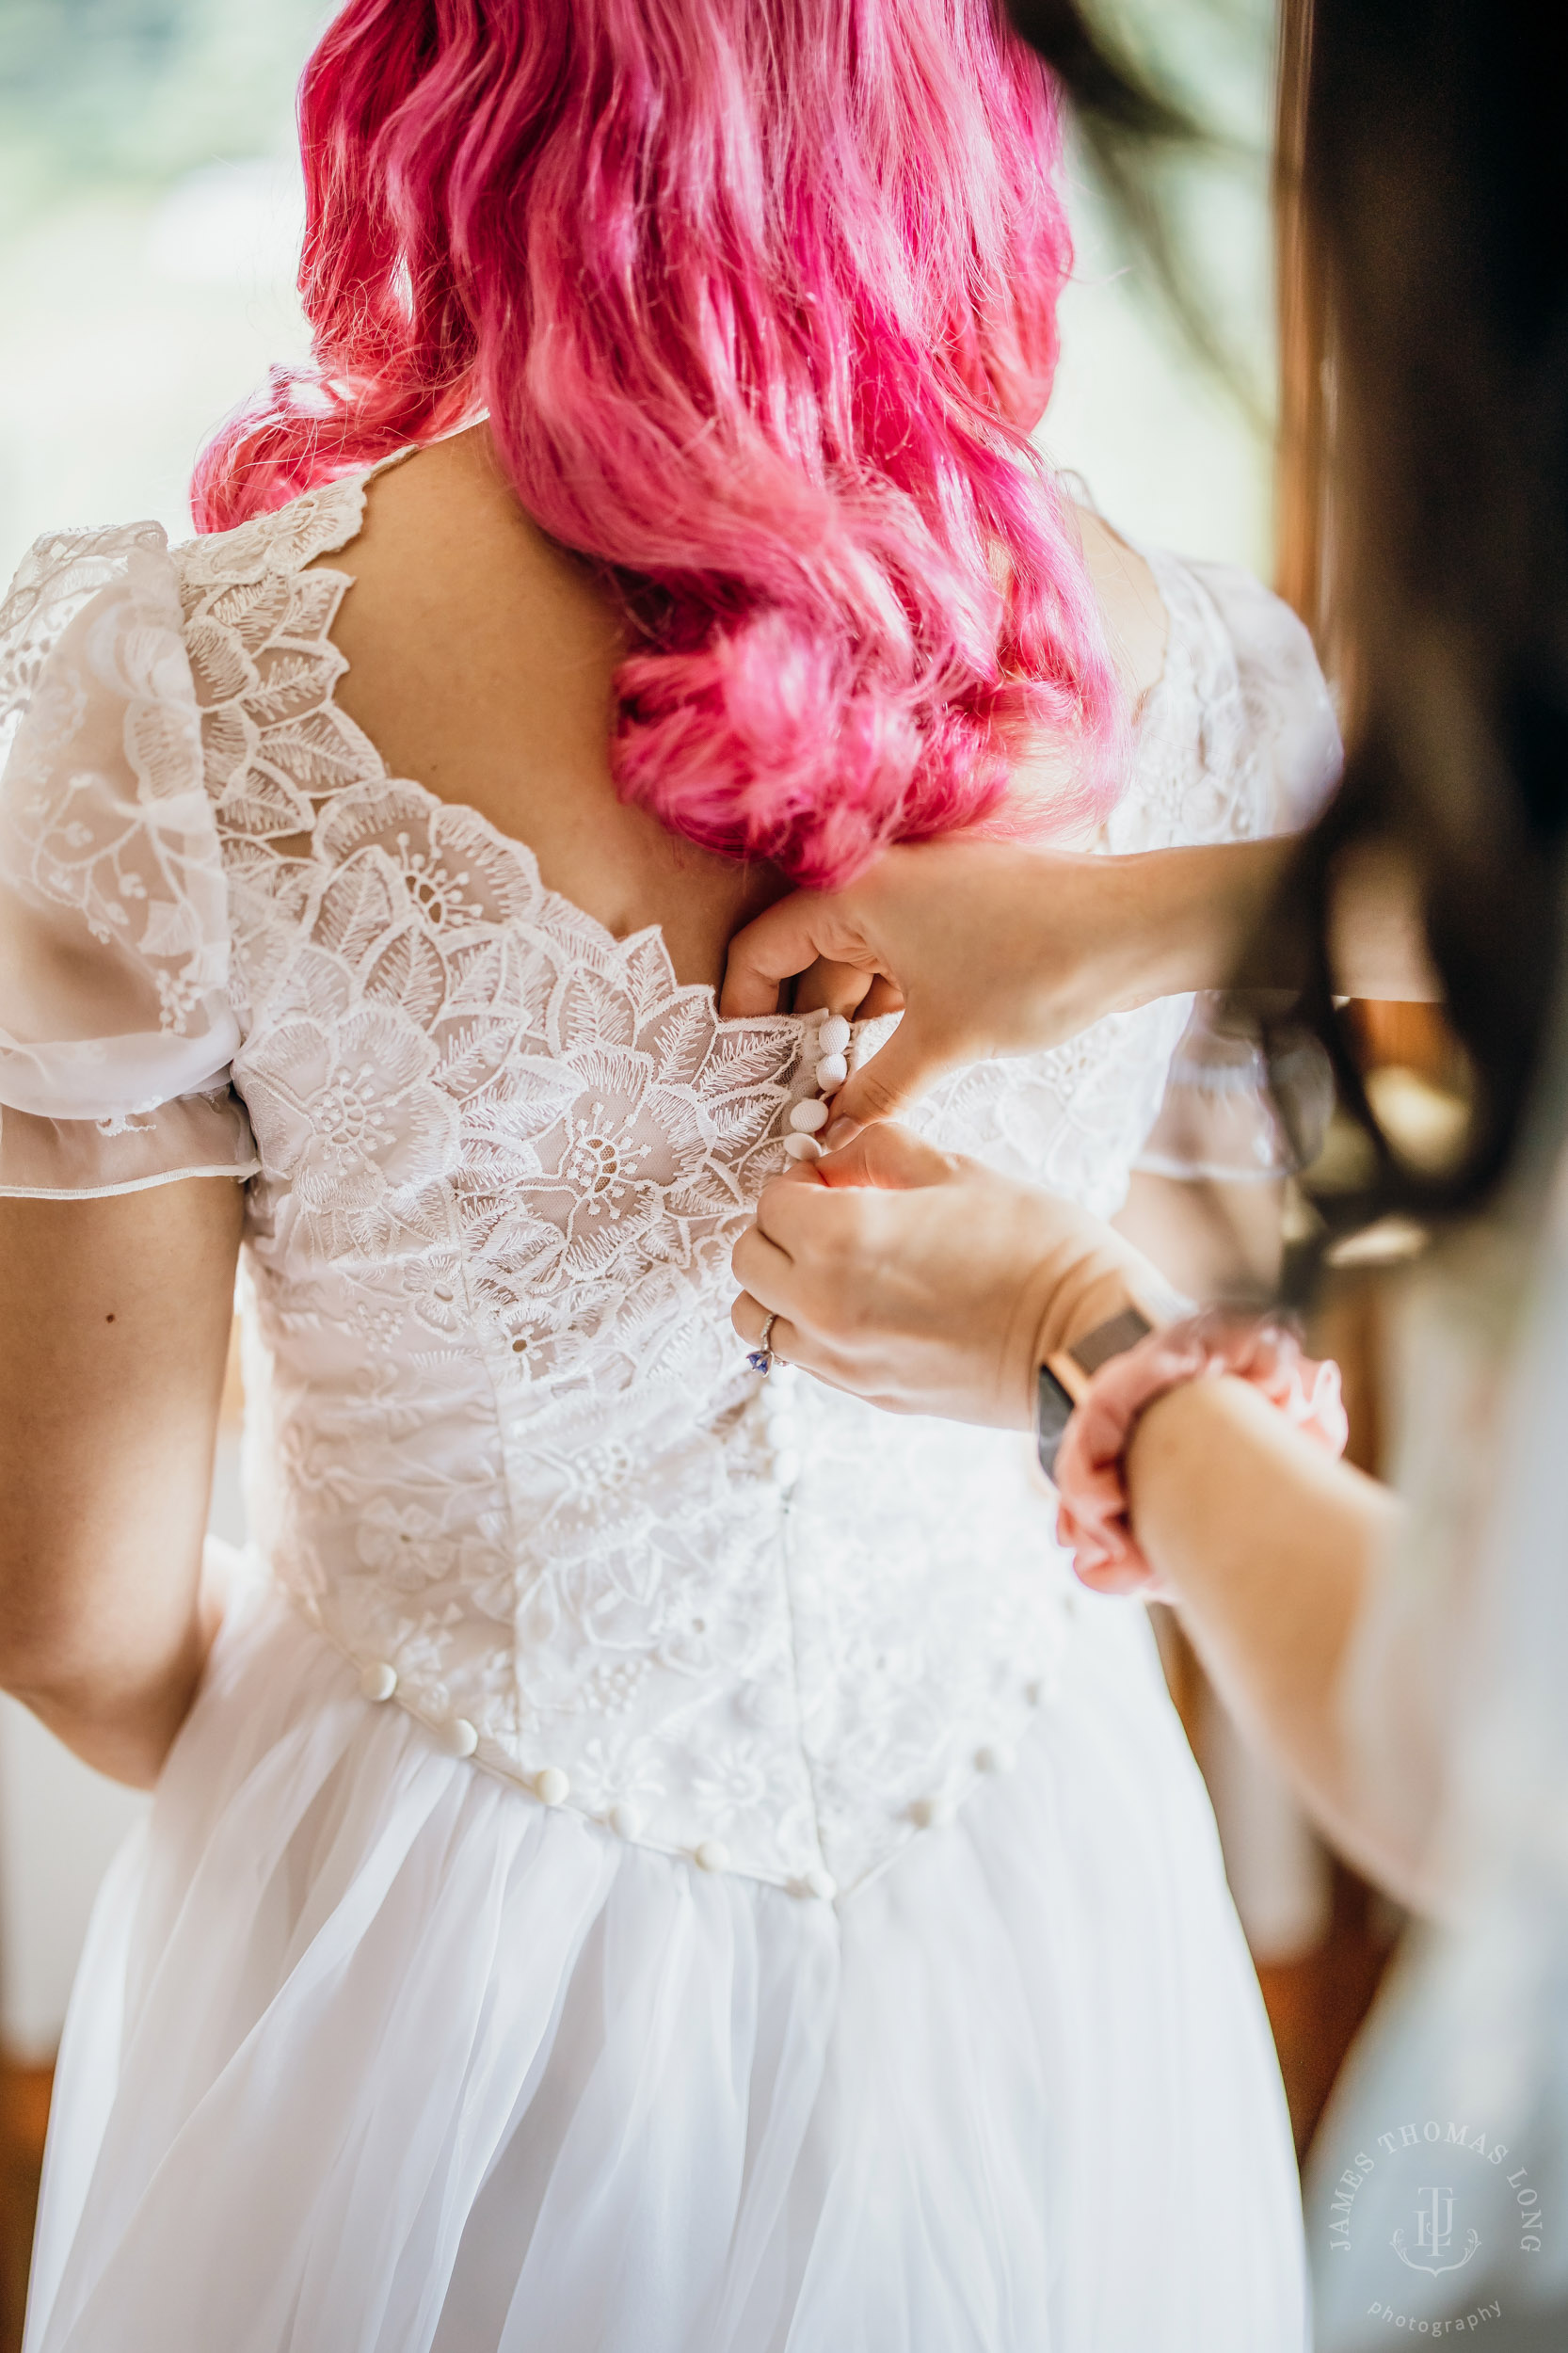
[[1080, 1283], [1093, 1463], [1198, 909]]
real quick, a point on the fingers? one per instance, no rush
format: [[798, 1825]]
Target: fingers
[[759, 1265], [829, 988], [887, 1157], [880, 998], [787, 938], [749, 1315], [895, 1077], [750, 1320]]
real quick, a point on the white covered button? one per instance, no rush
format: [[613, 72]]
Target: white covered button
[[786, 1467], [817, 1882], [626, 1819], [459, 1738], [377, 1681], [931, 1813], [712, 1855], [833, 1037], [800, 1147], [552, 1786], [997, 1757], [831, 1072], [808, 1117]]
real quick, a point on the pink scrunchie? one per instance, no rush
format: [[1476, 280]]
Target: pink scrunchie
[[1090, 1473]]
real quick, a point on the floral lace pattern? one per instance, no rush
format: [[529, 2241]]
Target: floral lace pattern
[[112, 896], [503, 1445], [109, 822]]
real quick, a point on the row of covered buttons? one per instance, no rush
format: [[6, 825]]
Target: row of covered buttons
[[808, 1118], [1000, 1756], [552, 1786], [935, 1813], [777, 1403]]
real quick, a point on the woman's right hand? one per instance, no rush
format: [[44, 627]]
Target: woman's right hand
[[927, 1284]]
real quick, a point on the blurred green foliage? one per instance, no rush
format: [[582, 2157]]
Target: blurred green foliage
[[97, 94], [132, 94], [1173, 206]]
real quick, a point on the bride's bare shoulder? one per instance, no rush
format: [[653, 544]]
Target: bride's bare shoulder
[[1137, 623]]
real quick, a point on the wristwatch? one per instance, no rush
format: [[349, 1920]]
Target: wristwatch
[[1065, 1377]]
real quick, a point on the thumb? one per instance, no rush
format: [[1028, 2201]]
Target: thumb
[[895, 1077], [887, 1157]]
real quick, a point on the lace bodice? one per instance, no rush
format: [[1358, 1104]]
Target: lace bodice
[[503, 1445]]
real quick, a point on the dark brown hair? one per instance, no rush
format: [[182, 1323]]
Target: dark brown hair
[[1423, 179], [1421, 183]]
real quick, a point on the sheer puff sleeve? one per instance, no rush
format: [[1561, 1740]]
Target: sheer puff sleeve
[[1224, 1119], [116, 1024]]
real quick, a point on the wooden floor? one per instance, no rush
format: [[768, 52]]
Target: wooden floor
[[1316, 2003], [24, 2115]]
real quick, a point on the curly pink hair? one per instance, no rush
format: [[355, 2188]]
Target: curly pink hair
[[761, 298]]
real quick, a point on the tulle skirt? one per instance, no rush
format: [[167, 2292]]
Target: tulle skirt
[[372, 2054]]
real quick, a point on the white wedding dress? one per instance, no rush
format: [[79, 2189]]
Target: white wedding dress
[[663, 1862]]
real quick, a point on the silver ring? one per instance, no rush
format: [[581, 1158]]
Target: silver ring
[[762, 1358]]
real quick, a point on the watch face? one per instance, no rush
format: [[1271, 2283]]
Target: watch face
[[1052, 1412]]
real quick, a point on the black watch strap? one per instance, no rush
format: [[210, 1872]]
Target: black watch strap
[[1063, 1377]]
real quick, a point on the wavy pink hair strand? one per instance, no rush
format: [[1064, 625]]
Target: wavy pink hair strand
[[759, 296]]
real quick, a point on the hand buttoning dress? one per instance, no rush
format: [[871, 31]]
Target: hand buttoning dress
[[663, 1862]]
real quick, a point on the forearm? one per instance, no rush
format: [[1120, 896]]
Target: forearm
[[114, 1328], [1269, 1547], [992, 949], [1203, 925], [1189, 915]]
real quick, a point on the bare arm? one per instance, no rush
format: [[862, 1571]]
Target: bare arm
[[1269, 1547], [114, 1327], [994, 950], [926, 1284]]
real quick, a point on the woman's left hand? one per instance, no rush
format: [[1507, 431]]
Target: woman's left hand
[[924, 1283]]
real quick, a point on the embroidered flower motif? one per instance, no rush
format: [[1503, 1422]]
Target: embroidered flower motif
[[443, 898], [618, 1772], [432, 1288], [738, 1781], [340, 1098], [612, 1686], [406, 1545]]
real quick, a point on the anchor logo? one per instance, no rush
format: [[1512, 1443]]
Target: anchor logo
[[1434, 2233]]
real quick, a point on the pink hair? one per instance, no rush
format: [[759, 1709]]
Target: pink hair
[[761, 298]]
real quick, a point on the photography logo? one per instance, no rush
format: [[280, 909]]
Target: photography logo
[[1432, 2220], [1434, 2233]]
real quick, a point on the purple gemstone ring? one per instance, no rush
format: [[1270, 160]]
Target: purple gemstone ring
[[762, 1356]]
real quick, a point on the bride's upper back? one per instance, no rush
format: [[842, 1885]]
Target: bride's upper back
[[482, 659]]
